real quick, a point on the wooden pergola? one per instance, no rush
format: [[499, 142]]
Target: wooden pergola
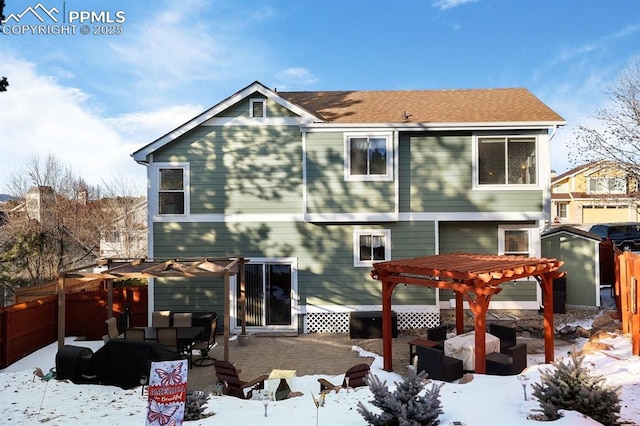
[[145, 268], [474, 277]]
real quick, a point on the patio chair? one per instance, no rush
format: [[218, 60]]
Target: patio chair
[[353, 378], [182, 319], [507, 335], [205, 346], [437, 365], [231, 383], [507, 362], [160, 319], [438, 334], [168, 337], [112, 328], [135, 334]]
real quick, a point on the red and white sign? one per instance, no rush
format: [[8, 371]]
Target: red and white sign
[[167, 393]]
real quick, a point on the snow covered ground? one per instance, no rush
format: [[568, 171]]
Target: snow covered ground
[[487, 400]]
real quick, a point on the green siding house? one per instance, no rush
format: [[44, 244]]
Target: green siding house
[[313, 187]]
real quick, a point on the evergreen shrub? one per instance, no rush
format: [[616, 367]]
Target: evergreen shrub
[[570, 386], [403, 406]]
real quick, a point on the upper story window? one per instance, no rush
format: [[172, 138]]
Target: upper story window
[[257, 108], [368, 157], [172, 189], [607, 185], [371, 245], [507, 161]]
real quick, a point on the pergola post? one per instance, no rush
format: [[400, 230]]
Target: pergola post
[[459, 313], [387, 335], [227, 313], [479, 307], [109, 298], [61, 310], [547, 297]]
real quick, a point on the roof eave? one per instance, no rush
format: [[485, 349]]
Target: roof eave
[[494, 125]]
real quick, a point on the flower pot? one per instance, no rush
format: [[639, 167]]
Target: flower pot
[[243, 339]]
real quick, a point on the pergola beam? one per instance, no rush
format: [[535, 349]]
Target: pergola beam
[[146, 268], [467, 274]]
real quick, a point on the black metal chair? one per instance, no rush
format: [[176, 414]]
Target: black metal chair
[[205, 346], [507, 362], [437, 365]]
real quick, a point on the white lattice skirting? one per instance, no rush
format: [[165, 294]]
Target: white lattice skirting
[[331, 319]]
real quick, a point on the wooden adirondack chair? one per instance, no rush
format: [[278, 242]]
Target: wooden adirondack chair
[[231, 383], [354, 375]]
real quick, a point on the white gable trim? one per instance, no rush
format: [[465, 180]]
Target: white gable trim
[[142, 154]]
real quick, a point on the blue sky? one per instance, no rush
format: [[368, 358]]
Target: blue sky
[[94, 99]]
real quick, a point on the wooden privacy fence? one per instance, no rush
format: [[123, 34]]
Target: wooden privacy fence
[[27, 327], [628, 297]]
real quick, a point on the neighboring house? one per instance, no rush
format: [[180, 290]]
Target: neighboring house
[[595, 193], [313, 187], [126, 236]]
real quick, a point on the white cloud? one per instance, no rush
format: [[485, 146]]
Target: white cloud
[[180, 45], [40, 116], [450, 4], [295, 78]]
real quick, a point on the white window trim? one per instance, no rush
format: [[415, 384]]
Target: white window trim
[[154, 208], [264, 107], [347, 157], [476, 165], [559, 208], [534, 238], [623, 190], [356, 246], [295, 296]]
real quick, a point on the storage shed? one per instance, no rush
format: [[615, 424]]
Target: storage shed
[[580, 251]]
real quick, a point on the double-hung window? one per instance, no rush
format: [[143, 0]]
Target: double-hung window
[[172, 189], [371, 245], [507, 161], [607, 185], [562, 210], [368, 157]]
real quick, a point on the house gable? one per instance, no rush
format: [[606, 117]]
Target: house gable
[[227, 106]]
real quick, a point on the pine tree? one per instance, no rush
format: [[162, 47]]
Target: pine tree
[[570, 387], [403, 406]]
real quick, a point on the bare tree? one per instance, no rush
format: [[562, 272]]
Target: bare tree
[[60, 223], [123, 228], [617, 142]]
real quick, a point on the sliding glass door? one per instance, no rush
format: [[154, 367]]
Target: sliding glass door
[[269, 288]]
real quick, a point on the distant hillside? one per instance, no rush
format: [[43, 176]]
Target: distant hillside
[[6, 197]]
